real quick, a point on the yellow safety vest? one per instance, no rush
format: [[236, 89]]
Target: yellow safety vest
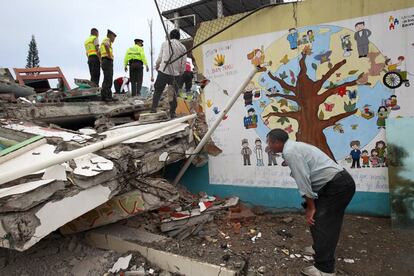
[[103, 49], [135, 53], [90, 47]]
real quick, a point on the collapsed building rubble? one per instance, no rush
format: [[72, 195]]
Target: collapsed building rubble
[[32, 206]]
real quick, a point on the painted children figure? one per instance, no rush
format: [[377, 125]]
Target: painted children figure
[[311, 36], [246, 152], [257, 58], [374, 158], [250, 121], [293, 38], [361, 36], [271, 157], [258, 151], [365, 159], [248, 94], [393, 102], [382, 116], [380, 147], [346, 45], [355, 154]]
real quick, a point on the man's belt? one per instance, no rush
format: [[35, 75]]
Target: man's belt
[[135, 60]]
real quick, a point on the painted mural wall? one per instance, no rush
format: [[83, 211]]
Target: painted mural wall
[[330, 84]]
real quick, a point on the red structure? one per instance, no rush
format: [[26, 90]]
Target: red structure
[[41, 74]]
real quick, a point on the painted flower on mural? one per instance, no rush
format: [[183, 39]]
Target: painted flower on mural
[[320, 86]]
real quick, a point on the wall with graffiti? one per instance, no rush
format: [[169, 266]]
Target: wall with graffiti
[[330, 84]]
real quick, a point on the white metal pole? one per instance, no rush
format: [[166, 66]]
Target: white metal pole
[[66, 156], [151, 51], [216, 123]]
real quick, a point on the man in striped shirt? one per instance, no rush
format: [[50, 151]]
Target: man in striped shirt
[[169, 69]]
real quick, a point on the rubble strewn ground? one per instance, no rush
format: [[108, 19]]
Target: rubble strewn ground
[[57, 255], [368, 245], [277, 252]]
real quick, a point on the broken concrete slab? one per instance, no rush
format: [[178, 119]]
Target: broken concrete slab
[[121, 264], [123, 241], [75, 112], [48, 132], [146, 137], [22, 231], [153, 194], [35, 193], [120, 169], [23, 188]]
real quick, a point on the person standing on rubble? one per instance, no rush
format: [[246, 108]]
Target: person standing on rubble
[[169, 72], [107, 66], [135, 58], [93, 55], [327, 189]]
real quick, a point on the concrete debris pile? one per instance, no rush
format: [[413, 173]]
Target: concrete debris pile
[[181, 223], [71, 108], [34, 205]]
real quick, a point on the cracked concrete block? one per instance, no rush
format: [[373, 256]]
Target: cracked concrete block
[[124, 241], [25, 229], [145, 198], [27, 200]]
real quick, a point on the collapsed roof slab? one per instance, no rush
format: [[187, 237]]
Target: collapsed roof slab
[[72, 112], [31, 208]]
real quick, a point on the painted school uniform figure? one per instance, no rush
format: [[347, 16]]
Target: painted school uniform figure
[[355, 154], [382, 116], [311, 36], [365, 159], [246, 152], [271, 157], [258, 151], [293, 38], [361, 36], [250, 121], [380, 147], [374, 158]]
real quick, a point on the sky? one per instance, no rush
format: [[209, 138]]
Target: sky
[[61, 27]]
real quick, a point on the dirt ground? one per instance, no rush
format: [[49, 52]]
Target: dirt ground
[[370, 243], [368, 246], [57, 256]]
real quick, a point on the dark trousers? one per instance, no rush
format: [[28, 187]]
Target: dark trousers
[[135, 77], [187, 79], [108, 72], [94, 68], [117, 87], [355, 162], [159, 86], [246, 160], [332, 200]]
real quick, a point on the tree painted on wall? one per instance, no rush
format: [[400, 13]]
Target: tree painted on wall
[[322, 93], [306, 96], [32, 59]]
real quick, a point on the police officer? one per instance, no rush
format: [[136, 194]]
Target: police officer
[[107, 65], [93, 55], [135, 58]]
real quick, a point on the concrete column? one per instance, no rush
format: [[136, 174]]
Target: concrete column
[[220, 9]]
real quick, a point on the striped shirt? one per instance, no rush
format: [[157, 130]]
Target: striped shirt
[[176, 68]]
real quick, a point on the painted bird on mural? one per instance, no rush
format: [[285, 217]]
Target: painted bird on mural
[[339, 128], [324, 56]]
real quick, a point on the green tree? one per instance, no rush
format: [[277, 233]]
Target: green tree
[[33, 54]]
